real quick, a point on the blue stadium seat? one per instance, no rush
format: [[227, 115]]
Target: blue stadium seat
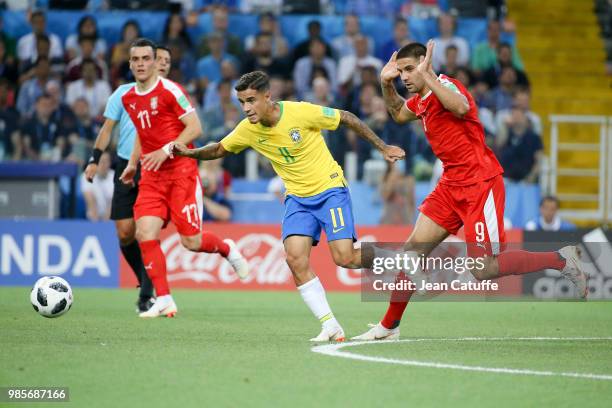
[[110, 23], [474, 30], [294, 27], [380, 29], [421, 29], [521, 203]]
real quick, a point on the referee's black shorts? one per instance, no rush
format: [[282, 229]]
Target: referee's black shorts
[[124, 195]]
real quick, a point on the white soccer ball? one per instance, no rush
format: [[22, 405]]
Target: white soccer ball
[[51, 296]]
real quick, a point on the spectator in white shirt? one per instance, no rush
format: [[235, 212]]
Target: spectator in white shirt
[[446, 26], [99, 194], [26, 46], [87, 27], [348, 67], [92, 89], [268, 24], [521, 100], [307, 68], [344, 44]]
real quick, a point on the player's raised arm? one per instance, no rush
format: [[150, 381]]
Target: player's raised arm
[[390, 153], [209, 152], [449, 96], [102, 141], [396, 105]]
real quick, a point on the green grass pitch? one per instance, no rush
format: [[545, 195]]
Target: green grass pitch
[[251, 349]]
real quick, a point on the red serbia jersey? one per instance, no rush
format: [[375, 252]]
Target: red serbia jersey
[[156, 114], [459, 142]]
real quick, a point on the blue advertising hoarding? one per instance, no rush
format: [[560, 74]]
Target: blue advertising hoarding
[[84, 253]]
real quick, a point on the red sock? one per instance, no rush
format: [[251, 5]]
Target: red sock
[[155, 264], [520, 262], [213, 244], [397, 305]]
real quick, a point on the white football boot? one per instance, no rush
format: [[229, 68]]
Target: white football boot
[[378, 332], [235, 258], [573, 269], [161, 308], [334, 333]]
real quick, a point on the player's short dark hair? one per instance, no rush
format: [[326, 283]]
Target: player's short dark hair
[[550, 198], [144, 42], [412, 50], [163, 47], [257, 80]]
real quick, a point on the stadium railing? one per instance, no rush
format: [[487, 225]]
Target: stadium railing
[[602, 173]]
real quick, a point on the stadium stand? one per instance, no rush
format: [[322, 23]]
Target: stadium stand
[[550, 83]]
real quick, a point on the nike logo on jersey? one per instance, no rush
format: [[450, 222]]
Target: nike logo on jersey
[[133, 106], [149, 266], [338, 229], [261, 140]]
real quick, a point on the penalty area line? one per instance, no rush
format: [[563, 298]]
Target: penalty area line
[[335, 350]]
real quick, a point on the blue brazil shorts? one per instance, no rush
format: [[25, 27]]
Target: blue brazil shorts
[[330, 210]]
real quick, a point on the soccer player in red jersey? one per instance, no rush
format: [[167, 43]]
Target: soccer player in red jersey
[[170, 187], [471, 191]]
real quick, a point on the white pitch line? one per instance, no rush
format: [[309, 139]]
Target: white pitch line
[[334, 351]]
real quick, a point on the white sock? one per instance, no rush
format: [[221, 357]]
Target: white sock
[[163, 301], [314, 296]]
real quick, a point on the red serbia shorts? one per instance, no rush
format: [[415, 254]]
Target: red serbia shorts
[[478, 207], [179, 201]]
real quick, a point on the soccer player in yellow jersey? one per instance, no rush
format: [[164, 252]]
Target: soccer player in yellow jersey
[[289, 135]]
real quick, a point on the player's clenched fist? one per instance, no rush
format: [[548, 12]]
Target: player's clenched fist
[[180, 149], [127, 177], [393, 153]]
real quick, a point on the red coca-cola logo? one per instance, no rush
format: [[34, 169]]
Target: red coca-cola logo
[[264, 253]]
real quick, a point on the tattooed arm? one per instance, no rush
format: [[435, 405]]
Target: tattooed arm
[[390, 153], [396, 105], [210, 152]]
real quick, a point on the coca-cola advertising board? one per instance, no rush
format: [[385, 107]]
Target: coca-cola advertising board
[[263, 248]]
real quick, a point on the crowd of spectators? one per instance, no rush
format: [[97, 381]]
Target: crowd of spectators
[[52, 94]]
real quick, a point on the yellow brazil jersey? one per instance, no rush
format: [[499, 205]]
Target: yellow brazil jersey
[[294, 146]]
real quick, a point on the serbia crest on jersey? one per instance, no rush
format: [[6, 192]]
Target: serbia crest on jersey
[[459, 142], [156, 114]]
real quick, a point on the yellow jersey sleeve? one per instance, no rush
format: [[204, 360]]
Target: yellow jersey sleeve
[[319, 117], [237, 140]]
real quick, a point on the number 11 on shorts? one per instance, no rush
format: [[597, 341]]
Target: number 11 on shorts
[[335, 219]]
